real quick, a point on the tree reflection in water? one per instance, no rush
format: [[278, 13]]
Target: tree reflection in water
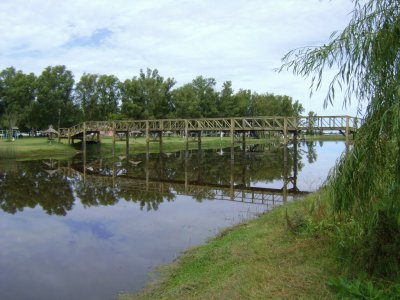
[[150, 180]]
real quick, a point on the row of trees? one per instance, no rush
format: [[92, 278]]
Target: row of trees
[[29, 101]]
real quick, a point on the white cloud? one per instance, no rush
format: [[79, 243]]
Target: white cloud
[[236, 40]]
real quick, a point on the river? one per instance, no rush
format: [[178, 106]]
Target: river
[[93, 227]]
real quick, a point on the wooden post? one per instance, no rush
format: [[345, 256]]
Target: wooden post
[[285, 131], [232, 132], [113, 137], [160, 137], [285, 173], [347, 129], [232, 181], [295, 162], [187, 138], [199, 140], [69, 137], [147, 137], [127, 143], [84, 138], [244, 140]]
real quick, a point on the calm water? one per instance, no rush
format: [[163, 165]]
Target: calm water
[[91, 228]]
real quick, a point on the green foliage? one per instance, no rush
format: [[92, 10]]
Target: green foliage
[[17, 92], [35, 103], [366, 182], [54, 102], [363, 288]]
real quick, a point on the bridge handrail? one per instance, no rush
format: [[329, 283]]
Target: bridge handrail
[[219, 124]]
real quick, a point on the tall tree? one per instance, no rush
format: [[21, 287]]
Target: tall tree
[[86, 96], [55, 104], [226, 100], [17, 93], [206, 95], [132, 102], [155, 93], [366, 183], [108, 96], [186, 104]]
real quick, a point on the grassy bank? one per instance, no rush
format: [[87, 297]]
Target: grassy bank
[[260, 259], [291, 252], [34, 148], [170, 144]]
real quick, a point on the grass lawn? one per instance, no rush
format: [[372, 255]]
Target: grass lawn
[[260, 259], [35, 148]]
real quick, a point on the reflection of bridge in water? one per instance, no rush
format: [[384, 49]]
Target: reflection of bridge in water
[[118, 176]]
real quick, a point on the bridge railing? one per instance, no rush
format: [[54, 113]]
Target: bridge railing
[[273, 123]]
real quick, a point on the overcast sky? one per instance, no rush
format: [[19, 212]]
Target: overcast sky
[[238, 40]]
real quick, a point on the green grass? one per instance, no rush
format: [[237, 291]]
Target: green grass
[[325, 137], [34, 148], [260, 259], [170, 144]]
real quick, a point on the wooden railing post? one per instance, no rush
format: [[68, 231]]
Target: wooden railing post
[[285, 130], [186, 137], [147, 137], [232, 132], [347, 129], [113, 138], [127, 143], [84, 138]]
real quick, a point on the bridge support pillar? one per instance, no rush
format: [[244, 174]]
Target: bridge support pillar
[[244, 140], [113, 138], [232, 132], [347, 130], [199, 140], [69, 137], [285, 131], [186, 138], [285, 174], [160, 137], [147, 137], [84, 138], [127, 143], [232, 181]]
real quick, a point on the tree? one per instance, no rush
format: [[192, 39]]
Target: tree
[[54, 103], [132, 104], [226, 100], [186, 104], [366, 183], [206, 96], [108, 96], [17, 93], [86, 97], [155, 93]]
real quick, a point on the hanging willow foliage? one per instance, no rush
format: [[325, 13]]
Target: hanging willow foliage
[[365, 183]]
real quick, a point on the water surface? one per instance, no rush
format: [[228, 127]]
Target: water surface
[[92, 227]]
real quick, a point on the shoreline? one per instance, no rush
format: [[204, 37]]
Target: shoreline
[[257, 259], [39, 148]]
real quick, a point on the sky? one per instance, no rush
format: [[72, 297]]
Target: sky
[[238, 40]]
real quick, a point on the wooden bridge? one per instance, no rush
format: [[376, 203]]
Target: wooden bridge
[[286, 125]]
